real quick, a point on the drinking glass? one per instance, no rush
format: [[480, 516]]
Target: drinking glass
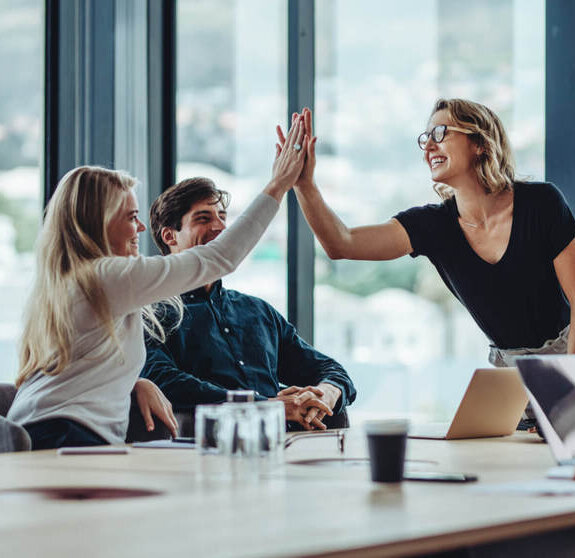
[[272, 430], [238, 435], [207, 428]]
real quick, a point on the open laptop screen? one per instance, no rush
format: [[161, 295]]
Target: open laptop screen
[[550, 382]]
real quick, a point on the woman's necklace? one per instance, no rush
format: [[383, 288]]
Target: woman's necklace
[[469, 224], [474, 225]]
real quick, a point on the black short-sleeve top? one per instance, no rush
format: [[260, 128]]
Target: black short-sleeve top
[[518, 301]]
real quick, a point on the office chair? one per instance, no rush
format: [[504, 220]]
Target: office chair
[[12, 436]]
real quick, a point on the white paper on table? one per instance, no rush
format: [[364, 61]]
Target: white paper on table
[[539, 487], [164, 444]]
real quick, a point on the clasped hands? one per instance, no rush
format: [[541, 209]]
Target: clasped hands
[[309, 405]]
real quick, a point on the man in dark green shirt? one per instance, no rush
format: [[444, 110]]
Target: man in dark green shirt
[[229, 340]]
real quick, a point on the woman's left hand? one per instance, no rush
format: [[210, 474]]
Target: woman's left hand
[[289, 162], [306, 176], [152, 401]]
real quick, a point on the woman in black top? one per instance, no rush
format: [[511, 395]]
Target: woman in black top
[[504, 248]]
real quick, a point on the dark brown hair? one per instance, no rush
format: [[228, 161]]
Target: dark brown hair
[[177, 200]]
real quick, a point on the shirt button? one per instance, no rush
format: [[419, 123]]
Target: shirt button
[[241, 362], [226, 329]]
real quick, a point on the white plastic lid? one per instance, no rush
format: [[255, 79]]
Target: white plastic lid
[[386, 426]]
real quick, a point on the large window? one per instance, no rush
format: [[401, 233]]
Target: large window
[[21, 104], [408, 344], [231, 92], [379, 66]]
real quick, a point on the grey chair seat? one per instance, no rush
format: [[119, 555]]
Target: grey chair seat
[[137, 431], [7, 394], [12, 436]]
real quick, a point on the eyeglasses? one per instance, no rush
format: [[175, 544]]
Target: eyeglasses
[[437, 134]]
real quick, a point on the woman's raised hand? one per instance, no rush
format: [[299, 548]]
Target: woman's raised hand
[[289, 160], [306, 177]]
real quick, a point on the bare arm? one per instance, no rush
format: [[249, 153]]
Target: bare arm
[[385, 241], [564, 265]]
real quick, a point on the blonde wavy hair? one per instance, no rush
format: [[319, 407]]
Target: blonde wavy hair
[[495, 167], [73, 236]]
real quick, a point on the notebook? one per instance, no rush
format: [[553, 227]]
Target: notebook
[[491, 406], [550, 384]]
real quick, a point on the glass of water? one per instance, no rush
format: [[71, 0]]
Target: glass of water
[[239, 430], [271, 431], [207, 428]]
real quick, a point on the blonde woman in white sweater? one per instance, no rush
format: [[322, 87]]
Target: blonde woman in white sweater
[[83, 346]]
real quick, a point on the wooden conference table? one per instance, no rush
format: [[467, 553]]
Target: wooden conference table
[[302, 510]]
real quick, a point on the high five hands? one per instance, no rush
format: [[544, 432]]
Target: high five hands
[[289, 160], [306, 176]]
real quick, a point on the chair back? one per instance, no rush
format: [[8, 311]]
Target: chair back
[[13, 437], [137, 431], [7, 394], [341, 420]]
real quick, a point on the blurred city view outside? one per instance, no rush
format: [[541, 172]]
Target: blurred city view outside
[[21, 108], [231, 93], [407, 343]]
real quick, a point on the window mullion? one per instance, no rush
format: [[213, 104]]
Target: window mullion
[[301, 57]]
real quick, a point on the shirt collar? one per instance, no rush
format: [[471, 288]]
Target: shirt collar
[[201, 293]]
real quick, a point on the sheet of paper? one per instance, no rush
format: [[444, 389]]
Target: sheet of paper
[[163, 444], [539, 487]]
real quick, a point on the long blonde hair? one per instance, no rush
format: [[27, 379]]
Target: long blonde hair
[[73, 236], [494, 166]]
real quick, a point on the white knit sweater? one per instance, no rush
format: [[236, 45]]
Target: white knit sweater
[[94, 389]]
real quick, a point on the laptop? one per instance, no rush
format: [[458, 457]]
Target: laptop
[[491, 406], [550, 384]]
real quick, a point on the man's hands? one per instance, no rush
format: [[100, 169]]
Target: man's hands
[[152, 401], [309, 405], [298, 401]]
